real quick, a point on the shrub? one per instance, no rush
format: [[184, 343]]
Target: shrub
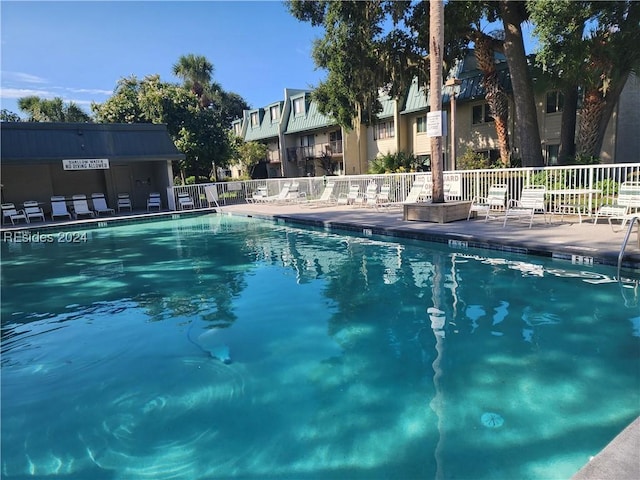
[[472, 161]]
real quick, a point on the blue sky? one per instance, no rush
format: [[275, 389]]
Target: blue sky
[[79, 50]]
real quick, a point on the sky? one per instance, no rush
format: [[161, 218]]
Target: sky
[[78, 50]]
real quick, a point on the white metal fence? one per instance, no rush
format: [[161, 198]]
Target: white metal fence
[[459, 184]]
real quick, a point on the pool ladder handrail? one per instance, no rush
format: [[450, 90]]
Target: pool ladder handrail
[[632, 220]]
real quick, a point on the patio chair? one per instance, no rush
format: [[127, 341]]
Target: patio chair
[[33, 211], [351, 197], [259, 195], [327, 197], [383, 198], [370, 195], [100, 204], [211, 192], [295, 195], [10, 212], [491, 205], [531, 201], [416, 194], [628, 199], [154, 202], [81, 207], [124, 202], [280, 197], [185, 201], [59, 207]]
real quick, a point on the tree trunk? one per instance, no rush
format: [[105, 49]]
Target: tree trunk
[[436, 48], [567, 148], [526, 118]]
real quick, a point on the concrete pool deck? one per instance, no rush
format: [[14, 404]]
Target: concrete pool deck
[[564, 239]]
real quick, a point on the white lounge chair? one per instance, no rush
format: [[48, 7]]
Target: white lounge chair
[[100, 204], [327, 197], [33, 211], [280, 197], [211, 192], [124, 202], [259, 195], [417, 192], [294, 195], [531, 201], [185, 201], [154, 202], [81, 206], [351, 197], [370, 195], [10, 212], [628, 200], [491, 206], [59, 207], [383, 198]]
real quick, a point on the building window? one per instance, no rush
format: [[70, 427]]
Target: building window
[[275, 113], [481, 114], [237, 128], [421, 124], [423, 163], [552, 154], [254, 119], [384, 130], [298, 106], [555, 102]]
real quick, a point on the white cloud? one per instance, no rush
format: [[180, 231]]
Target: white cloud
[[25, 92], [91, 91], [20, 77]]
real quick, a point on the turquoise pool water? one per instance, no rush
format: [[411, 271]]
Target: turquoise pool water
[[348, 357]]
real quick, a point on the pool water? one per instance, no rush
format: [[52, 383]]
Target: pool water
[[229, 347]]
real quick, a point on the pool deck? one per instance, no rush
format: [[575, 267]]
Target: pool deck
[[566, 239]]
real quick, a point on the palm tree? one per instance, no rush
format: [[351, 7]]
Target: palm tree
[[196, 72], [54, 110]]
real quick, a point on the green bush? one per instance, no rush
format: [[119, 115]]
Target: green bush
[[472, 161], [394, 163]]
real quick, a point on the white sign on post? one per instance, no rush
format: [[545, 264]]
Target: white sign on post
[[437, 124], [86, 164]]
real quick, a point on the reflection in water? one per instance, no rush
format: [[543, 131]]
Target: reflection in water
[[332, 357]]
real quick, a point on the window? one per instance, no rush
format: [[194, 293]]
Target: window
[[552, 154], [237, 129], [254, 119], [384, 130], [298, 106], [421, 124], [424, 163], [555, 102], [481, 114], [274, 111]]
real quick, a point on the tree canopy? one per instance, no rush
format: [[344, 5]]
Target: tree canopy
[[54, 110]]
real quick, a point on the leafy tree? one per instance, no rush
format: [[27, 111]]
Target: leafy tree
[[54, 110], [196, 72], [9, 116], [249, 154], [596, 44]]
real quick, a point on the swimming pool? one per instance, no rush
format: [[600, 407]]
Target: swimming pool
[[347, 357]]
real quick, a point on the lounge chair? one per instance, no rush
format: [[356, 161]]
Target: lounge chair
[[185, 201], [370, 198], [351, 197], [81, 207], [531, 201], [10, 212], [59, 207], [417, 192], [259, 195], [327, 197], [628, 199], [33, 211], [280, 197], [154, 202], [100, 204], [491, 205], [124, 202], [294, 195], [383, 198], [211, 192]]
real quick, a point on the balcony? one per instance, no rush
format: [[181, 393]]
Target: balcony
[[273, 156], [320, 150]]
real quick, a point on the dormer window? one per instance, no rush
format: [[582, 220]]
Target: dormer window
[[298, 106], [255, 120], [274, 111], [237, 128]]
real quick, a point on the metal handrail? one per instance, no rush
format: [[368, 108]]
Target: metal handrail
[[632, 220]]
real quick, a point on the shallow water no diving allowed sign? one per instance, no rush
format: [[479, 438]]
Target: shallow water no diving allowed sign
[[86, 164]]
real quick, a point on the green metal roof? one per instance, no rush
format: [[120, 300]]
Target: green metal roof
[[266, 128], [40, 142], [311, 118], [387, 107]]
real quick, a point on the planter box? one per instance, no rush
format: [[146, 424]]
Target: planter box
[[436, 212]]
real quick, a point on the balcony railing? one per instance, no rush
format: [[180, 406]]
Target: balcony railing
[[273, 156], [319, 150]]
